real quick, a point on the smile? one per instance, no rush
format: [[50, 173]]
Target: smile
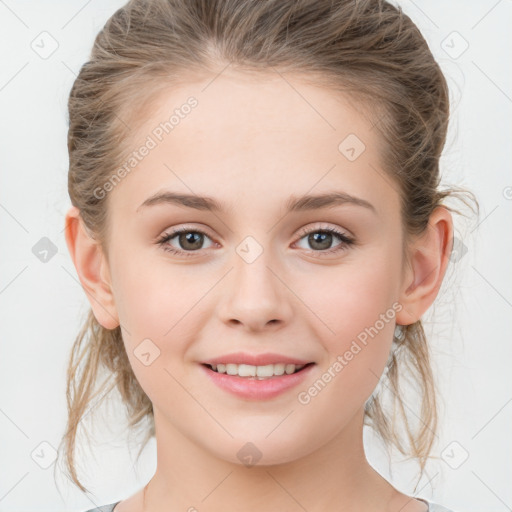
[[257, 372], [256, 382]]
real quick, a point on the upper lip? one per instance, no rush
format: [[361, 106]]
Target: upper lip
[[255, 359]]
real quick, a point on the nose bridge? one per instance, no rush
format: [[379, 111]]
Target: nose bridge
[[256, 295]]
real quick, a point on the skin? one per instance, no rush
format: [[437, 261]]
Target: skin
[[251, 144]]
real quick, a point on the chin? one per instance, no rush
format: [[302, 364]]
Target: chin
[[256, 449]]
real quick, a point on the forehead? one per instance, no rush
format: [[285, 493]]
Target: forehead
[[235, 106], [254, 134]]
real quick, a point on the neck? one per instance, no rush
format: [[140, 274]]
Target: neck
[[336, 477]]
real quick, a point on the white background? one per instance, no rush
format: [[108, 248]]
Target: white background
[[42, 303]]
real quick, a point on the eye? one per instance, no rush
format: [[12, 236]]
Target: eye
[[190, 241], [321, 240]]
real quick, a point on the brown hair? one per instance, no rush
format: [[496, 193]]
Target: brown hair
[[369, 49]]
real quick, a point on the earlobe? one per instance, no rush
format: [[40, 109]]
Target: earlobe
[[429, 257], [92, 268]]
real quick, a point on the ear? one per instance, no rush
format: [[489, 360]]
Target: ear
[[429, 256], [92, 269]]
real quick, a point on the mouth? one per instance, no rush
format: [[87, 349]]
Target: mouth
[[252, 372], [263, 376]]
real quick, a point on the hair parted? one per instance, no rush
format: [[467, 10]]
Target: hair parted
[[368, 50]]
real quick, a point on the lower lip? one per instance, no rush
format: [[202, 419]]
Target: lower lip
[[253, 389]]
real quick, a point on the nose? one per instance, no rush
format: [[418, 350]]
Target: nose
[[255, 296]]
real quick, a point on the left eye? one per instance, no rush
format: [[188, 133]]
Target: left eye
[[322, 239], [191, 240]]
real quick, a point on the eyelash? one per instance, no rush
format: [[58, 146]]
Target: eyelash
[[346, 240]]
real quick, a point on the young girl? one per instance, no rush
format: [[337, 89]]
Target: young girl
[[258, 226]]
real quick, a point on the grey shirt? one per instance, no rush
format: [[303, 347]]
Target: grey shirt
[[432, 507]]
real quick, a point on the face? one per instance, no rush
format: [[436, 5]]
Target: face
[[255, 281]]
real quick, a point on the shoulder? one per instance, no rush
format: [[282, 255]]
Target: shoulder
[[104, 508], [434, 507]]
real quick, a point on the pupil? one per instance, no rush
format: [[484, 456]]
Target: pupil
[[189, 238], [313, 239]]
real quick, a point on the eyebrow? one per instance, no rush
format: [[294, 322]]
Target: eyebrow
[[294, 204]]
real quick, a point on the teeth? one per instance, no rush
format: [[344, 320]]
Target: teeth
[[261, 372], [279, 369], [289, 368], [264, 371]]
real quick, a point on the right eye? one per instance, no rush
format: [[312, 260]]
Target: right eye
[[189, 239]]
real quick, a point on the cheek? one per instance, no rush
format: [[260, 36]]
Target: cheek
[[156, 306], [153, 307], [358, 315], [351, 298], [151, 298]]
